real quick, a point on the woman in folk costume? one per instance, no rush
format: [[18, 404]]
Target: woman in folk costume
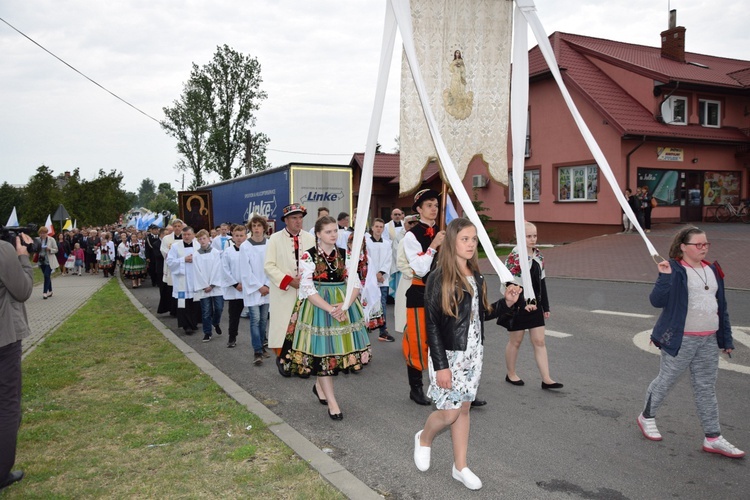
[[324, 339], [122, 250], [208, 284], [180, 263], [256, 285], [107, 257], [284, 250], [135, 262]]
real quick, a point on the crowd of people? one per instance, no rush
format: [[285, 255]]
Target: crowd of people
[[440, 301]]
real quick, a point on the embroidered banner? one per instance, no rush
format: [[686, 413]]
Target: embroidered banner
[[463, 48]]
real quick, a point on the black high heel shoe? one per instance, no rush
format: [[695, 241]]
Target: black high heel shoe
[[320, 400], [335, 416]]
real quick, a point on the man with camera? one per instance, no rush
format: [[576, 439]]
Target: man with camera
[[16, 284]]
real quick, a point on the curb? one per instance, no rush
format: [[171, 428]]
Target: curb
[[330, 470]]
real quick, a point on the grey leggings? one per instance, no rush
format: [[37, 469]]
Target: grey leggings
[[701, 355]]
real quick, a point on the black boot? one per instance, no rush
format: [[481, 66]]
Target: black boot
[[415, 381]]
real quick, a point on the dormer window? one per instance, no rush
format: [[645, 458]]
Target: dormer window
[[709, 113], [674, 110]]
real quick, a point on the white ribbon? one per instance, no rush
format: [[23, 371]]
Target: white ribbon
[[528, 9]]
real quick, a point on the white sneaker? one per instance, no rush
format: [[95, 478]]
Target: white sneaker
[[467, 477], [421, 454], [648, 428], [723, 447]]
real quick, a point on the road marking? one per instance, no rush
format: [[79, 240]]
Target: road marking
[[642, 340], [740, 336], [559, 335], [618, 313]]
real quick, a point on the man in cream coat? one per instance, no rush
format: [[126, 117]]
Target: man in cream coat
[[282, 267]]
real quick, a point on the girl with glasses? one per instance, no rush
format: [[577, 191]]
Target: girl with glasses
[[692, 328]]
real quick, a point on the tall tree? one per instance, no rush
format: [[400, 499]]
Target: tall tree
[[10, 197], [165, 199], [215, 109], [41, 197], [146, 192]]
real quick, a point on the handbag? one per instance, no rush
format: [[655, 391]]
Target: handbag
[[35, 257], [71, 262], [654, 203]]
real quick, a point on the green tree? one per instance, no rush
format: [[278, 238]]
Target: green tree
[[74, 194], [41, 196], [146, 192], [165, 199], [107, 199], [215, 109], [10, 197], [188, 122]]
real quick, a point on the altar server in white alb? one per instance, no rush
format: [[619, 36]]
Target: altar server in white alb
[[255, 284], [380, 257], [208, 284], [224, 239], [233, 289], [180, 264]]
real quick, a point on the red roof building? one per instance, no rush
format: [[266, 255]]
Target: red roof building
[[675, 121]]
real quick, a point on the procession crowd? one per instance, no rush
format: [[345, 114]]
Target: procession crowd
[[292, 286]]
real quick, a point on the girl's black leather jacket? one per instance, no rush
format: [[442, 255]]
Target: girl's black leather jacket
[[448, 333]]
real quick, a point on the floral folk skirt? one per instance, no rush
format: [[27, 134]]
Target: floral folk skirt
[[135, 267], [317, 344]]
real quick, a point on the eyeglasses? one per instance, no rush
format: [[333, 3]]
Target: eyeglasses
[[700, 246]]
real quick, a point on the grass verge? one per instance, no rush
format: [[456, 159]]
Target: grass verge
[[112, 409]]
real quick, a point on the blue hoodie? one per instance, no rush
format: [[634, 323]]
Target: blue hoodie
[[670, 293]]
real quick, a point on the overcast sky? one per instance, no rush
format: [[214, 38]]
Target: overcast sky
[[319, 61]]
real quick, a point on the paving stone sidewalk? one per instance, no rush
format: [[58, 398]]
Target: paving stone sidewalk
[[625, 257]]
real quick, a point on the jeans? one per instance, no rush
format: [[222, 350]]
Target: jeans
[[47, 272], [383, 297], [258, 324], [211, 309]]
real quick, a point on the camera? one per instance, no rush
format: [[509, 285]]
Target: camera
[[9, 233]]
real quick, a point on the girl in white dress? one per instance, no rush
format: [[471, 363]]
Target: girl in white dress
[[456, 306]]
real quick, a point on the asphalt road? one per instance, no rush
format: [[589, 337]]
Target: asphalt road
[[580, 442]]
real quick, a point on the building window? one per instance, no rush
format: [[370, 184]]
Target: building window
[[577, 183], [530, 186], [709, 113], [674, 110]]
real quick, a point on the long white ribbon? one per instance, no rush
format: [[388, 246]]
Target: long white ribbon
[[398, 15], [365, 186], [519, 105], [528, 9]]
